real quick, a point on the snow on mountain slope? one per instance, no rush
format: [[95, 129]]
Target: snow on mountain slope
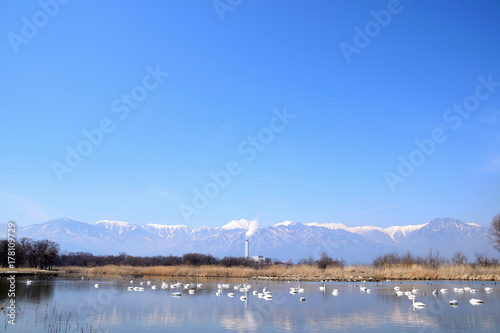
[[332, 226], [119, 226], [237, 224], [283, 240]]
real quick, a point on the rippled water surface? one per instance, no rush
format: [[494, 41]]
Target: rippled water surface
[[64, 305]]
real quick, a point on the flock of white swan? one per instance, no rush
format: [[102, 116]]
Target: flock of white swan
[[412, 295]]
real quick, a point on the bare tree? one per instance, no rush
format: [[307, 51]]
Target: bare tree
[[459, 258], [495, 231]]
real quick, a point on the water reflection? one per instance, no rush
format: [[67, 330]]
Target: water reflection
[[113, 307], [34, 293]]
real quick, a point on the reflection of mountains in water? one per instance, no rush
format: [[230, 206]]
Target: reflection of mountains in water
[[115, 308], [38, 291], [282, 241]]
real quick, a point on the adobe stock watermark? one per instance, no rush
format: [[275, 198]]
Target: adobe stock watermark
[[11, 277], [223, 6], [94, 137], [30, 28], [248, 150], [372, 29], [453, 116]]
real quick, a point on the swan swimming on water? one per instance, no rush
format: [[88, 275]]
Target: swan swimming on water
[[476, 301], [418, 305]]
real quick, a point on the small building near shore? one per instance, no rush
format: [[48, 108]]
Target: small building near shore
[[261, 259]]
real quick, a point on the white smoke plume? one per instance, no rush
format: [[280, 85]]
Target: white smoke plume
[[252, 228]]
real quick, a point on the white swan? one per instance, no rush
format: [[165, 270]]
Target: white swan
[[302, 299], [476, 301], [453, 302], [96, 285], [443, 290], [191, 291], [335, 292], [230, 295], [488, 289], [243, 298], [322, 288]]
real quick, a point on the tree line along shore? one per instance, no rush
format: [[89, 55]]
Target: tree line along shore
[[44, 258]]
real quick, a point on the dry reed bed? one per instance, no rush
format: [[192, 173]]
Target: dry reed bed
[[300, 272]]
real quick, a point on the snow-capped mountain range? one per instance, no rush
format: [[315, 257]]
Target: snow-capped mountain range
[[284, 241]]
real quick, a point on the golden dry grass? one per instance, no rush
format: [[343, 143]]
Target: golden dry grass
[[27, 271], [300, 272]]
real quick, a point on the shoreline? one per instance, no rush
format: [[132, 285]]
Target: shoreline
[[28, 272], [276, 273]]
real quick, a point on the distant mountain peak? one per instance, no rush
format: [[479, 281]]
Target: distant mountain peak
[[116, 225], [284, 223], [237, 224], [166, 226]]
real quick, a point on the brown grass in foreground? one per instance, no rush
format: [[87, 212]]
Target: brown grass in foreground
[[299, 272]]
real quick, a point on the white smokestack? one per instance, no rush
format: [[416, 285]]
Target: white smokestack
[[253, 226], [247, 249]]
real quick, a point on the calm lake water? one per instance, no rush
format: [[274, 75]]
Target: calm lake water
[[65, 305]]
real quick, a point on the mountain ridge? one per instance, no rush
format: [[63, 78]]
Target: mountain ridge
[[285, 240]]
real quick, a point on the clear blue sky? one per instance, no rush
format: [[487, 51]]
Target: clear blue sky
[[359, 103]]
